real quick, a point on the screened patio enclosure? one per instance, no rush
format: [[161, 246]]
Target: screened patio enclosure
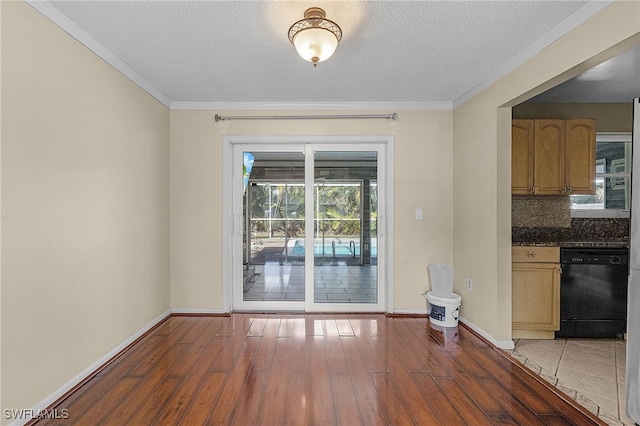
[[345, 205]]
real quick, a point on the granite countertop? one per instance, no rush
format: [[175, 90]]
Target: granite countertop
[[573, 244]]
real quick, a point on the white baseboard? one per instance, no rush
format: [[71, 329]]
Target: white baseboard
[[500, 343], [179, 311], [410, 312], [45, 403]]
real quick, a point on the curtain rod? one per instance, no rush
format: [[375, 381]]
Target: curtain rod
[[218, 117]]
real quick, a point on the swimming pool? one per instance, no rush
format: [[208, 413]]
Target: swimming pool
[[332, 248]]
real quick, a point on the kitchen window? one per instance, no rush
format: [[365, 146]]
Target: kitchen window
[[613, 179]]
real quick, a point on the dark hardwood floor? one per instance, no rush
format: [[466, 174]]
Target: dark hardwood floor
[[272, 369]]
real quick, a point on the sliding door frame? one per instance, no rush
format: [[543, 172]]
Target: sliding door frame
[[232, 223]]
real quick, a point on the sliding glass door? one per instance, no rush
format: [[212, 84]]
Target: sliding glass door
[[309, 219]]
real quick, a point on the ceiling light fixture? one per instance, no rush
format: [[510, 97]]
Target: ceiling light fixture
[[314, 37]]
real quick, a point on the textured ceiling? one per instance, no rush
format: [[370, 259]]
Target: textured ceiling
[[229, 52], [616, 80]]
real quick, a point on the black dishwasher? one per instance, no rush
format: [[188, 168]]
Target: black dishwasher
[[593, 292]]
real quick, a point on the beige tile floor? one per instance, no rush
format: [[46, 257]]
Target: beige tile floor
[[591, 371]]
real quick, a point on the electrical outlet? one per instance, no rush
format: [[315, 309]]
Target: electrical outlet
[[469, 284]]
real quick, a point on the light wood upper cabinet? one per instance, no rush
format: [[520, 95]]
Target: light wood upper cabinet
[[548, 157], [580, 153], [553, 157], [521, 156]]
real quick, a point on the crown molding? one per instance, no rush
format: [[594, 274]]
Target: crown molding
[[366, 106], [583, 14], [68, 26]]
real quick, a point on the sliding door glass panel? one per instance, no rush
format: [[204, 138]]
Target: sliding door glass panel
[[274, 227], [344, 234]]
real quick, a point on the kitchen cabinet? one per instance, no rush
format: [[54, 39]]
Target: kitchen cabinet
[[553, 157], [535, 292]]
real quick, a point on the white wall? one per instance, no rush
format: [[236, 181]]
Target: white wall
[[423, 179], [85, 207], [482, 153]]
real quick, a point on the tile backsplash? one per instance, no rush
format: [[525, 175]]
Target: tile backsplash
[[536, 211], [548, 220]]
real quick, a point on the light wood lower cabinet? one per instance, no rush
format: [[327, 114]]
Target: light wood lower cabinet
[[535, 292]]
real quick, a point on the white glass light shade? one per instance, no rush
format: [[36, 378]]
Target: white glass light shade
[[315, 44], [314, 37]]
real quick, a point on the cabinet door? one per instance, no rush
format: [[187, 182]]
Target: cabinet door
[[549, 157], [580, 156], [536, 296], [522, 156]]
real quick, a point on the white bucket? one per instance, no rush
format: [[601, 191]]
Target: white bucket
[[444, 311], [441, 280]]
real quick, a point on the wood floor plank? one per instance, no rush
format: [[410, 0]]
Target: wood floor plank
[[105, 406], [193, 375], [298, 410], [336, 361], [198, 411], [163, 354], [172, 411], [512, 404], [103, 387], [286, 326], [321, 369], [344, 325], [504, 370], [344, 399], [143, 348], [314, 325], [390, 402], [196, 327], [366, 395], [375, 352], [257, 326], [376, 325], [555, 420], [418, 358], [467, 408], [477, 390], [275, 401], [148, 410], [299, 327], [225, 406], [266, 350], [443, 408], [322, 408], [401, 379], [251, 401]]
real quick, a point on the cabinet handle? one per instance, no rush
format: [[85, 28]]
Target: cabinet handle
[[532, 254], [533, 190]]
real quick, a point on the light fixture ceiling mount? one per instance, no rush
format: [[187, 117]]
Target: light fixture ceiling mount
[[314, 37]]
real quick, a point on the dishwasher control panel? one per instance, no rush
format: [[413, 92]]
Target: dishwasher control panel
[[594, 256]]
